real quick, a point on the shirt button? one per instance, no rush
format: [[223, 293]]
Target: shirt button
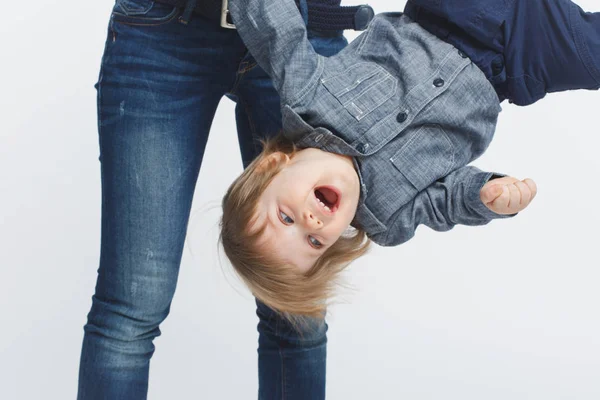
[[362, 147], [401, 117], [439, 82], [463, 55], [319, 137]]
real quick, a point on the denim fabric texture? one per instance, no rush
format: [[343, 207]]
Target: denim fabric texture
[[159, 85], [526, 48], [410, 108]]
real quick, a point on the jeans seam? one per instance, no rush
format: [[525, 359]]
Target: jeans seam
[[238, 77], [249, 67], [110, 37], [283, 391], [249, 115]]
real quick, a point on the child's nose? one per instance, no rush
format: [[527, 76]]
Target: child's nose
[[312, 221]]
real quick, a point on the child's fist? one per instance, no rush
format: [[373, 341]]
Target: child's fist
[[508, 195]]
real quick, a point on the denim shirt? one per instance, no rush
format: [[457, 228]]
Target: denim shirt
[[409, 108]]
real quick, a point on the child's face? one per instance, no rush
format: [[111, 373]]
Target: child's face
[[308, 205]]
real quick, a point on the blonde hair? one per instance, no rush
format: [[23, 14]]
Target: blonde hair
[[279, 285]]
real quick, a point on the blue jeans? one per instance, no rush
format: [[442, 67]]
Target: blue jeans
[[159, 85]]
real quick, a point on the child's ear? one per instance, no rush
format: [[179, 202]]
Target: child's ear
[[273, 160]]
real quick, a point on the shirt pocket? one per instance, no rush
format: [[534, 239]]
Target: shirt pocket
[[361, 88], [427, 156]]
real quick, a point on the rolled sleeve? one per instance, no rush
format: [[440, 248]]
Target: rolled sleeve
[[450, 201]]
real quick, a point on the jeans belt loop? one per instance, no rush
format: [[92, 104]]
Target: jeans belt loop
[[185, 18]]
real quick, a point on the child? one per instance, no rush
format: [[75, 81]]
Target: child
[[380, 135]]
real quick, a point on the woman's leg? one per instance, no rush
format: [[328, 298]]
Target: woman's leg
[[159, 86], [291, 363]]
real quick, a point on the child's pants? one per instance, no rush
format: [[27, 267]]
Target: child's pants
[[527, 48]]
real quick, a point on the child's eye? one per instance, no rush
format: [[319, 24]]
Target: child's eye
[[314, 242], [285, 218]]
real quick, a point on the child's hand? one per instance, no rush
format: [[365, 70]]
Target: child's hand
[[508, 195]]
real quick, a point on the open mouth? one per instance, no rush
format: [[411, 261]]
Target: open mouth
[[328, 198]]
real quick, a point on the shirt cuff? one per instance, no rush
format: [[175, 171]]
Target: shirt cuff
[[474, 202]]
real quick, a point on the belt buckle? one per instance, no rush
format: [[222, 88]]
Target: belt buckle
[[224, 14]]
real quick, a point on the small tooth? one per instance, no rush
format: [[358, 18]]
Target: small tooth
[[327, 208]]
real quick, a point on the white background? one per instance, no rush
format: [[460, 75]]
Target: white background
[[506, 311]]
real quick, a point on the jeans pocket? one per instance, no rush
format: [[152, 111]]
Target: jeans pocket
[[143, 12], [135, 7], [427, 156], [361, 88]]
